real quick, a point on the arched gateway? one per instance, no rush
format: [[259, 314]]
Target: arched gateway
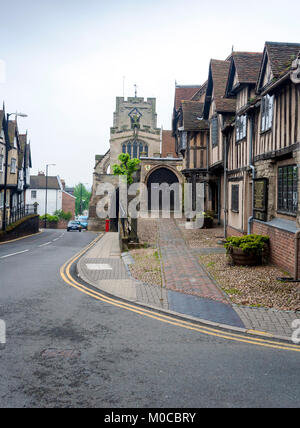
[[155, 186]]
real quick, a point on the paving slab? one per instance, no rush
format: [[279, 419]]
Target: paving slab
[[187, 288]]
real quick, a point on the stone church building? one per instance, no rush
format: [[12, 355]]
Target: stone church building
[[135, 132]]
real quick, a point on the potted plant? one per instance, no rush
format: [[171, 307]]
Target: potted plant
[[247, 250], [205, 219]]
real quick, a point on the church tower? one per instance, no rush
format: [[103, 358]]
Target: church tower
[[134, 129]]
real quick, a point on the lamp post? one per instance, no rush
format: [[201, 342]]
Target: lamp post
[[46, 196], [6, 164]]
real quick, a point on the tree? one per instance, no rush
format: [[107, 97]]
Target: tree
[[127, 167], [83, 197]]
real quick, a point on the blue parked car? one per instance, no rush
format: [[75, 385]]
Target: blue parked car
[[83, 221]]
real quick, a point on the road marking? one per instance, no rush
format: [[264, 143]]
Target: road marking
[[43, 245], [169, 319], [22, 237], [13, 254], [98, 266]]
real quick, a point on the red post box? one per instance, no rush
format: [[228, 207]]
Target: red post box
[[107, 225]]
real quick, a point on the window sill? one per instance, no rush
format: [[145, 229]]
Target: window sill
[[287, 213], [241, 140], [266, 131], [235, 211]]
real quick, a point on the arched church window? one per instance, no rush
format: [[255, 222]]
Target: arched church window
[[146, 150], [129, 149], [141, 149], [124, 148], [134, 149]]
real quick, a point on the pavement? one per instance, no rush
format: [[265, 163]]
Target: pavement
[[187, 290]]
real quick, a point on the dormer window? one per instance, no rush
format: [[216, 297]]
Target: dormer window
[[267, 104]]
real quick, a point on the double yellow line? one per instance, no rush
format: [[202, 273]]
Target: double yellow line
[[169, 319]]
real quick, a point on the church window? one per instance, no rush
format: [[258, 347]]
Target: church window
[[129, 149], [134, 149]]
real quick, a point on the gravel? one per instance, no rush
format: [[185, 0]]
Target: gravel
[[146, 267], [253, 285]]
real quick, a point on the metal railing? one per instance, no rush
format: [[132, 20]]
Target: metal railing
[[15, 214]]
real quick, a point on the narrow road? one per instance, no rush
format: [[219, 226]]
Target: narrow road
[[67, 349]]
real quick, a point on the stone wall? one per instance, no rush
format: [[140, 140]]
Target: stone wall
[[26, 226]]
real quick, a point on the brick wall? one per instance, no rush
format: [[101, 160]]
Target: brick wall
[[282, 246], [168, 144], [68, 204], [234, 232]]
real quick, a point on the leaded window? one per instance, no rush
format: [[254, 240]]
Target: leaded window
[[214, 131], [135, 149], [235, 198], [267, 103], [287, 200], [241, 127]]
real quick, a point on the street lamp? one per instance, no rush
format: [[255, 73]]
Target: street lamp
[[6, 164], [46, 196]]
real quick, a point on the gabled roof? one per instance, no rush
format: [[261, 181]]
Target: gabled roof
[[28, 161], [184, 92], [280, 56], [216, 86], [12, 132], [39, 182], [192, 112], [2, 115], [245, 66], [200, 93], [22, 150]]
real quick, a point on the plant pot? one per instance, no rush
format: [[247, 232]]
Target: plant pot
[[208, 223], [239, 257]]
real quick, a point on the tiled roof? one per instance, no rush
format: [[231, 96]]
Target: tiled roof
[[219, 74], [28, 156], [1, 119], [247, 66], [184, 92], [39, 182], [192, 111], [12, 126], [281, 56], [21, 152]]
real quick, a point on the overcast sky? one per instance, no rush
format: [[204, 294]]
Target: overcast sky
[[64, 63]]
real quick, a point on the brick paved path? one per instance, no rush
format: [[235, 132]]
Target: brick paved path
[[182, 271]]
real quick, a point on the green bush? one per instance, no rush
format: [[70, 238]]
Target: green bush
[[50, 218], [250, 244], [62, 215]]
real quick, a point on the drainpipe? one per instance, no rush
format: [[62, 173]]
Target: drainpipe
[[225, 186], [250, 219]]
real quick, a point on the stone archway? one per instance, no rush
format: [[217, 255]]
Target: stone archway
[[155, 182]]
